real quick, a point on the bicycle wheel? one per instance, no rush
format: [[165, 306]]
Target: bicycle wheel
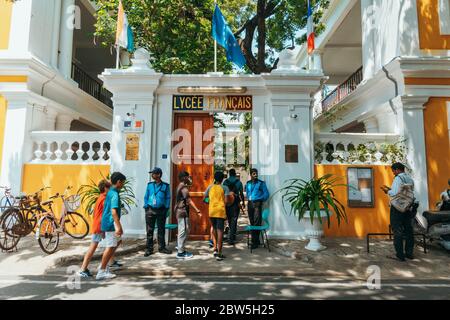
[[10, 220], [76, 225], [48, 237], [31, 217], [6, 203]]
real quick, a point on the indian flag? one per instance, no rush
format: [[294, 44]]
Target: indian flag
[[124, 34], [310, 30]]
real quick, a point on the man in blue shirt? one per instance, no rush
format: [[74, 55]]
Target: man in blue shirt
[[257, 194], [110, 224], [156, 204]]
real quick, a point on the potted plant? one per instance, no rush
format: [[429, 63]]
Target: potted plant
[[90, 192], [313, 201]]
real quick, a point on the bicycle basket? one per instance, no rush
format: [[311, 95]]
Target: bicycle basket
[[73, 203]]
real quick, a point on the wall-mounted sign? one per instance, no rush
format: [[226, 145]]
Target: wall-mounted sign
[[136, 126], [291, 153], [132, 147], [360, 187], [212, 103]]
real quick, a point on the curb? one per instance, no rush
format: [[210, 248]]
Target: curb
[[285, 274]]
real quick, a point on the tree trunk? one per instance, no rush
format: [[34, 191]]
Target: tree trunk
[[258, 64], [261, 35]]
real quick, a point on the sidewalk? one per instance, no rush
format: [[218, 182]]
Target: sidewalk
[[344, 258]]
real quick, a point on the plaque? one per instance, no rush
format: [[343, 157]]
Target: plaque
[[132, 147], [291, 153]]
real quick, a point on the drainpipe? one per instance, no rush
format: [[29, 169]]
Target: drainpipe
[[391, 78]]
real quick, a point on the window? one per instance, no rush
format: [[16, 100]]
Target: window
[[444, 16], [360, 187]]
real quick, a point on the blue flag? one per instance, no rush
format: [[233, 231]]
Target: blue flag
[[221, 32]]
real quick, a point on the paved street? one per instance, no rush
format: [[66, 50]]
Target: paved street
[[212, 287], [340, 272]]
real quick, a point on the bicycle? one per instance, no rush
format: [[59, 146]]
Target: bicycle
[[20, 219], [71, 222], [8, 200]]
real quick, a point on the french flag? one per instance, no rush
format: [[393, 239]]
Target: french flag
[[310, 29]]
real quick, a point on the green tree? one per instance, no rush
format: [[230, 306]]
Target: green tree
[[178, 32]]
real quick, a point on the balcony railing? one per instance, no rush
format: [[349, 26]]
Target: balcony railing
[[91, 86], [358, 148], [59, 147], [343, 90]]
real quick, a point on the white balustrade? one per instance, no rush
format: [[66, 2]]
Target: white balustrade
[[71, 147], [358, 148]]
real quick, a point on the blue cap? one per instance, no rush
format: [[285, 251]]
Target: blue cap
[[156, 170]]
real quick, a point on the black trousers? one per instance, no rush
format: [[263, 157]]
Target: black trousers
[[255, 217], [232, 217], [156, 216], [401, 223]]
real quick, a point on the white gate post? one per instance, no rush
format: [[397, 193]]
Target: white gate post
[[292, 93], [133, 96]]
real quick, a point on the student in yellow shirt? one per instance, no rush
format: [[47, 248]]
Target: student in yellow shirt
[[217, 213]]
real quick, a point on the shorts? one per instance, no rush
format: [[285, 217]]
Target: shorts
[[111, 240], [97, 237], [218, 223]]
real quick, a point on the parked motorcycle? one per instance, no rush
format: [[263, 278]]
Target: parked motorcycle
[[436, 227]]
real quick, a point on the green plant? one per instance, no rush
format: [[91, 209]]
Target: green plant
[[89, 194], [314, 196]]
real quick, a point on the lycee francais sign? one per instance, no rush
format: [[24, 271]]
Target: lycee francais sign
[[212, 103]]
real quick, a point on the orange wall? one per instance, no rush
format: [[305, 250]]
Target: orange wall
[[360, 220], [429, 29], [58, 177], [438, 147], [5, 23], [427, 81]]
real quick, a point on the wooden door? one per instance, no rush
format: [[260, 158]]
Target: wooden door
[[194, 154]]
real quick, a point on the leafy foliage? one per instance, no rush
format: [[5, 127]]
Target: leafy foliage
[[89, 194], [178, 32], [314, 196]]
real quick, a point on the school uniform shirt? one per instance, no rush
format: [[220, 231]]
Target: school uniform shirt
[[98, 213], [216, 194], [256, 191], [112, 201], [157, 195]]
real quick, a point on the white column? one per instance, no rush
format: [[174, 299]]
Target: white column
[[50, 118], [63, 122], [133, 92], [55, 33], [414, 133], [17, 147], [66, 37]]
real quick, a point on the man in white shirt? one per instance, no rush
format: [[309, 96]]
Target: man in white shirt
[[445, 197], [401, 222]]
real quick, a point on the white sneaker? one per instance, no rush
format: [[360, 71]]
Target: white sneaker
[[104, 275]]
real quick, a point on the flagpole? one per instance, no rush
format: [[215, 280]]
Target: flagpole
[[215, 45]]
